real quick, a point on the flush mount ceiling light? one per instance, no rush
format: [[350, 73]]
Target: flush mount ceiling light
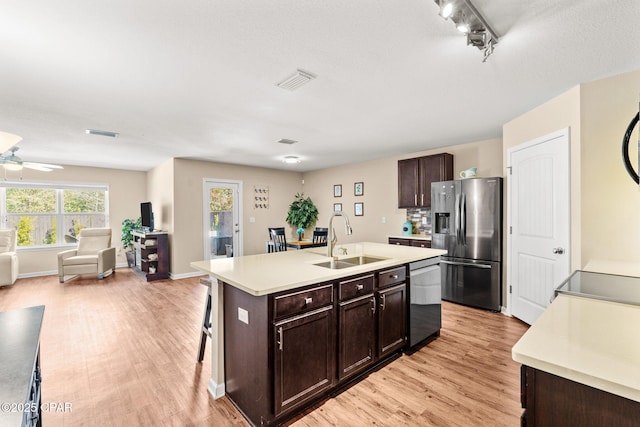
[[296, 80], [101, 133], [469, 21], [291, 159]]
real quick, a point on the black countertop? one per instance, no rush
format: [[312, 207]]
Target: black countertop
[[19, 341]]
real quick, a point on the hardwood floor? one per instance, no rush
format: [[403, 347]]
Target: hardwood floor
[[123, 352]]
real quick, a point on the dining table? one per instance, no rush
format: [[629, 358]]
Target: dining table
[[304, 244]]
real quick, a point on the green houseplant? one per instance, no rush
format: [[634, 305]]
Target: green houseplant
[[128, 225], [302, 213]]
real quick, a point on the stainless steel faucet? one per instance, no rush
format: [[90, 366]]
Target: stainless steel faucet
[[331, 236]]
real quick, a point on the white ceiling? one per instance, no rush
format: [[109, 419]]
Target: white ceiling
[[196, 78]]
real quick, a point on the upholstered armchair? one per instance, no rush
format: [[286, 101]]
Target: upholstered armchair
[[8, 257], [93, 256]]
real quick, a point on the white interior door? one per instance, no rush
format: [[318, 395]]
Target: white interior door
[[221, 218], [539, 252]]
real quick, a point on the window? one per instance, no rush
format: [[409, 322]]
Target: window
[[52, 214]]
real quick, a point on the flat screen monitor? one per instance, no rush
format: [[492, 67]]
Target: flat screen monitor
[[146, 212]]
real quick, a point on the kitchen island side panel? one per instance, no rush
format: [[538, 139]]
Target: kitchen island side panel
[[248, 377]]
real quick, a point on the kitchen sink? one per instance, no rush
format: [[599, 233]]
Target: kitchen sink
[[361, 260], [350, 262], [336, 265]]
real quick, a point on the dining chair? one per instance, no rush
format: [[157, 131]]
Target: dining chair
[[278, 239], [320, 235]]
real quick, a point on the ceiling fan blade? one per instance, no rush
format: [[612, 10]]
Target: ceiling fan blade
[[37, 167], [44, 165]]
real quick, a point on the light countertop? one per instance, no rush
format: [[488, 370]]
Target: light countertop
[[590, 341], [264, 274], [412, 236]]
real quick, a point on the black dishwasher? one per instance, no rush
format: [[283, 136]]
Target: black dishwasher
[[425, 296]]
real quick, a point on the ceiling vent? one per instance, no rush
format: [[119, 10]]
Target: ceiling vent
[[293, 82], [287, 141], [101, 133]]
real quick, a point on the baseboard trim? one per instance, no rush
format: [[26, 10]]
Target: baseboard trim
[[215, 390], [37, 274], [186, 275], [121, 265]]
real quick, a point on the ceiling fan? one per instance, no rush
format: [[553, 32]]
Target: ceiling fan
[[14, 163]]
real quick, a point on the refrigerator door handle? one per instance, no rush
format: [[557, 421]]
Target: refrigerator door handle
[[456, 209], [463, 219], [465, 264]]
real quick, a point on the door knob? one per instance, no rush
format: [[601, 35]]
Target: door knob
[[558, 251]]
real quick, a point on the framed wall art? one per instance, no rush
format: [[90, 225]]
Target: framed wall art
[[337, 207], [358, 188], [358, 209], [337, 190]]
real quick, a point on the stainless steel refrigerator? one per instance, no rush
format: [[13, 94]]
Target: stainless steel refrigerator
[[467, 222]]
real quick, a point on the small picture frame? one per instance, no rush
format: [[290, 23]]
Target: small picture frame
[[358, 188], [337, 207], [358, 209], [337, 190]]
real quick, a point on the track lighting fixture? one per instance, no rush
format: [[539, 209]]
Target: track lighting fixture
[[468, 21], [446, 9]]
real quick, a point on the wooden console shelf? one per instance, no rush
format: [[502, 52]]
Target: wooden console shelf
[[152, 254]]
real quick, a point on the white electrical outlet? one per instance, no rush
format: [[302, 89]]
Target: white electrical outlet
[[252, 219], [384, 219], [243, 315]]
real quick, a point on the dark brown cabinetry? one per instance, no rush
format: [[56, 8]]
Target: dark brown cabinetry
[[416, 175], [152, 255], [285, 351], [304, 357], [420, 243], [401, 242], [357, 325], [550, 400], [392, 309]]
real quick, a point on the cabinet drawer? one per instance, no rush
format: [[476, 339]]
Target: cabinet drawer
[[355, 287], [302, 301], [421, 243], [392, 276], [396, 241]]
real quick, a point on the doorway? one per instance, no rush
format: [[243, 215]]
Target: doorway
[[539, 223], [222, 210]]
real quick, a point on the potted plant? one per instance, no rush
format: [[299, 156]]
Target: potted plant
[[128, 225], [302, 213]]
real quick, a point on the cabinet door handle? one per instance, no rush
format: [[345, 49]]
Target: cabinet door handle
[[422, 200], [280, 341], [415, 199], [383, 301], [394, 276], [373, 305], [308, 300], [359, 287]]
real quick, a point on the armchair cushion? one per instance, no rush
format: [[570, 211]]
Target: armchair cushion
[[5, 244], [91, 240], [8, 257], [80, 260]]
